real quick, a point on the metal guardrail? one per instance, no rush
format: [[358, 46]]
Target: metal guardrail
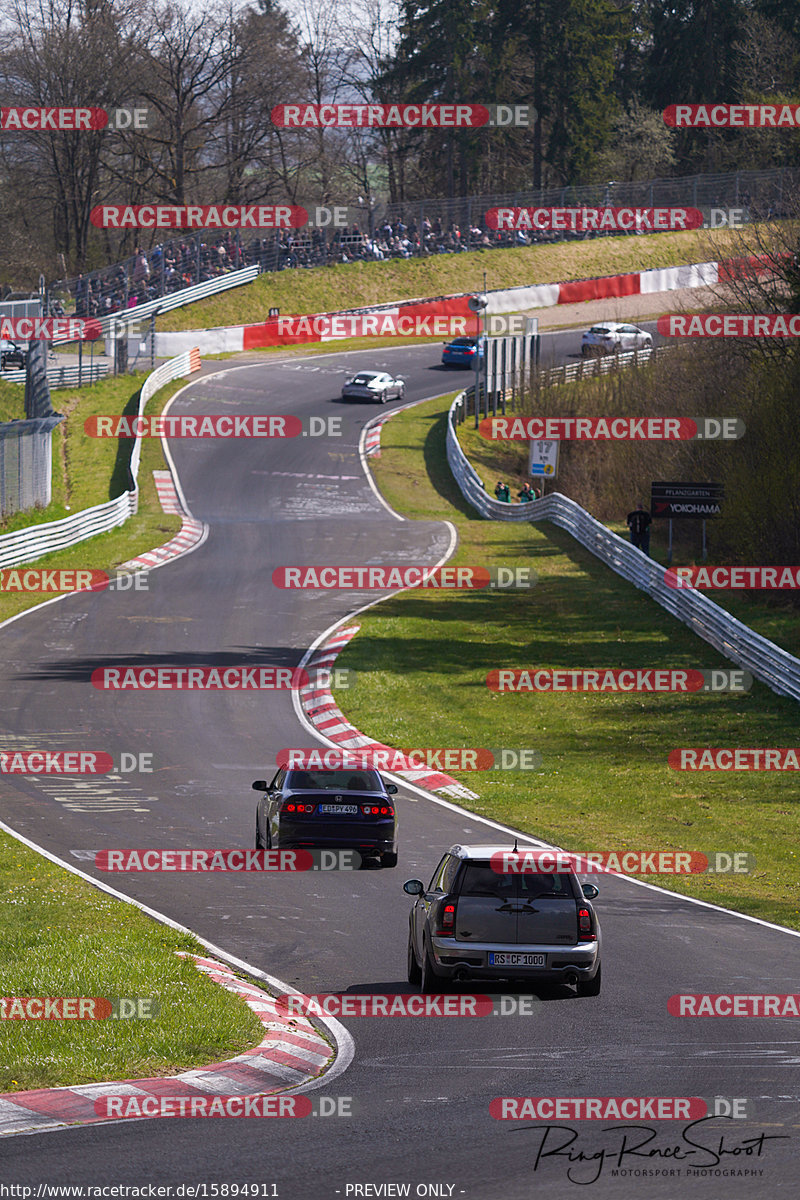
[[589, 368], [29, 544], [61, 377], [33, 543], [198, 291], [184, 364], [775, 667]]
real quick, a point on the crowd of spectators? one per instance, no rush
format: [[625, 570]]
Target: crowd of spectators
[[173, 266], [150, 274]]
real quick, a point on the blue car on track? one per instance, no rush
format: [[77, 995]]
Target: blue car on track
[[462, 350]]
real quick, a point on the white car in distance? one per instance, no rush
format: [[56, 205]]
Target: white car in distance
[[373, 385], [612, 337]]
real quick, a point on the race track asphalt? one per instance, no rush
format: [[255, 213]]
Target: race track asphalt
[[420, 1089]]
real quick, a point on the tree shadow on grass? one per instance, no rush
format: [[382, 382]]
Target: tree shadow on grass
[[441, 477], [121, 478]]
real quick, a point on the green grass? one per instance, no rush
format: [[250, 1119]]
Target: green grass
[[62, 937], [351, 285], [604, 782], [509, 461], [89, 471], [12, 401]]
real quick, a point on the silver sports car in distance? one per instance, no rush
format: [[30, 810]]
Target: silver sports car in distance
[[373, 385]]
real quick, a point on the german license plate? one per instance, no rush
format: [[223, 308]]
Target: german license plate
[[517, 960], [349, 809]]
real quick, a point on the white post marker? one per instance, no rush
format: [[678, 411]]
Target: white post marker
[[543, 460]]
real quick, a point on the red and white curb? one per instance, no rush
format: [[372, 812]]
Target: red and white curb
[[192, 531], [517, 299], [292, 1052], [370, 444], [372, 441], [321, 710]]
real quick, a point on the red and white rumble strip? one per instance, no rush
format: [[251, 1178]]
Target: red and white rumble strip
[[192, 531], [291, 1052], [324, 714]]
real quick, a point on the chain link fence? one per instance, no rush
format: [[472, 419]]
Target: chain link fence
[[376, 231]]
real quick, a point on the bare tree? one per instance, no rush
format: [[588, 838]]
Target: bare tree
[[185, 65], [63, 54]]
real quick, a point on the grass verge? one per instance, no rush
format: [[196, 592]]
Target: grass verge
[[604, 783], [89, 471], [12, 401], [509, 461], [62, 937], [351, 285]]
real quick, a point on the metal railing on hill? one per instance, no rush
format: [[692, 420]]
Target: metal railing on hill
[[767, 662], [378, 230], [27, 545], [68, 376]]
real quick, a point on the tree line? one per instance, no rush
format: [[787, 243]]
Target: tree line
[[598, 73]]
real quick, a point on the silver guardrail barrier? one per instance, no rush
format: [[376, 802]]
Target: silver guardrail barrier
[[198, 291], [62, 377], [767, 662], [29, 544], [590, 367]]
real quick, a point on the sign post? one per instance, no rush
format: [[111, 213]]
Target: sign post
[[686, 501], [478, 305], [543, 460]]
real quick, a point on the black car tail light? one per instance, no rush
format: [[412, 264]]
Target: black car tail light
[[446, 920], [377, 810], [585, 931], [293, 807]]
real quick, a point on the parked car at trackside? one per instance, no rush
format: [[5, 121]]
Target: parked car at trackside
[[11, 355], [373, 385], [476, 922], [343, 810], [613, 337]]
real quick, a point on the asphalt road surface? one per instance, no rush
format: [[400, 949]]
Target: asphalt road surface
[[420, 1090]]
